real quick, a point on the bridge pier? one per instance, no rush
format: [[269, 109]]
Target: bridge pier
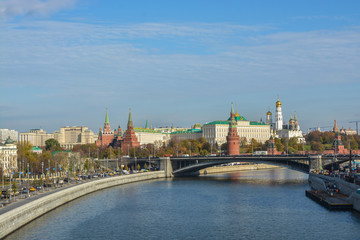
[[165, 165], [315, 163]]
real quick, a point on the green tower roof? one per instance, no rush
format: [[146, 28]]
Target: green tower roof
[[146, 124], [107, 117], [130, 123]]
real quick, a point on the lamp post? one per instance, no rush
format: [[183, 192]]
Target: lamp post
[[3, 172], [10, 180], [28, 179]]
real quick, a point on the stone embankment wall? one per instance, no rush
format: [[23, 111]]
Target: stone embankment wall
[[236, 168], [317, 182], [14, 219]]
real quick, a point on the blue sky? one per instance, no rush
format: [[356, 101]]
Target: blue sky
[[63, 62]]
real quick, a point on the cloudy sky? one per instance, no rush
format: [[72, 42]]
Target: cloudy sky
[[63, 62]]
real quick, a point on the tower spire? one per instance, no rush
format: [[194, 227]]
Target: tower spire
[[107, 117], [130, 123], [146, 124]]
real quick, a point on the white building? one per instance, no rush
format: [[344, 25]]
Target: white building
[[215, 132], [150, 136], [70, 136], [286, 130], [8, 156], [6, 133], [35, 137]]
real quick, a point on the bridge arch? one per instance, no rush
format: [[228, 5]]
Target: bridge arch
[[301, 165]]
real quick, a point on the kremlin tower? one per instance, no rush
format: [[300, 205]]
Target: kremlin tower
[[278, 116], [233, 139], [129, 139], [106, 136]]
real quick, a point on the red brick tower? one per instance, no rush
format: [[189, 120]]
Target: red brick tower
[[129, 139], [271, 149], [106, 136], [233, 139], [338, 146]]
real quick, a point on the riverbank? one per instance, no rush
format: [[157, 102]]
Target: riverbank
[[320, 183], [236, 168], [16, 218]]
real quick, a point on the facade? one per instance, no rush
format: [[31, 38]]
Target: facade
[[106, 136], [70, 136], [188, 134], [35, 137], [150, 136], [8, 156], [6, 133], [129, 139], [233, 139], [169, 129], [216, 132]]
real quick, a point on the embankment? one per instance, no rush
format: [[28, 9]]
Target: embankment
[[14, 219], [236, 168], [319, 182]]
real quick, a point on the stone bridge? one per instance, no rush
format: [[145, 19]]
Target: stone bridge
[[182, 166]]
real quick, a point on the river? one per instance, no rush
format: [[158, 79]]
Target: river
[[266, 204]]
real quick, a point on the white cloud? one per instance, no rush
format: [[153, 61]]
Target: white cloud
[[13, 8]]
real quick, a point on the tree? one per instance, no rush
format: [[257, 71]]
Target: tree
[[316, 146], [138, 166], [52, 145], [293, 143], [279, 146], [14, 187]]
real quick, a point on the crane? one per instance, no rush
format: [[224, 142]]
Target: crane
[[357, 127]]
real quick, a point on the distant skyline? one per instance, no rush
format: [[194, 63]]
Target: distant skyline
[[63, 62]]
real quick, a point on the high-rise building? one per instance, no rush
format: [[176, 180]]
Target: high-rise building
[[35, 137], [70, 136]]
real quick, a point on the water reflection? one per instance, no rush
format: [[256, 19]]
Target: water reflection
[[261, 177]]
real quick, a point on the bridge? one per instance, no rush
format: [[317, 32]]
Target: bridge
[[184, 166]]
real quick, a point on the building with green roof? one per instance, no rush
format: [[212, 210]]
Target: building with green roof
[[215, 132]]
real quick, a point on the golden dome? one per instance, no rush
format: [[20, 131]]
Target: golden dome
[[268, 113], [236, 114], [278, 103]]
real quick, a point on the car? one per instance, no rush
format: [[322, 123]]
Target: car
[[39, 188], [32, 189]]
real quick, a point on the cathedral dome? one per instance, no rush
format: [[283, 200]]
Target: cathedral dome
[[237, 114], [268, 113], [278, 103]]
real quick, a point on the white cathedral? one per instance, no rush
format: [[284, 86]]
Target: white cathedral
[[282, 130]]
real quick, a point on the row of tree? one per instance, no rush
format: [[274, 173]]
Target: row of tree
[[36, 163]]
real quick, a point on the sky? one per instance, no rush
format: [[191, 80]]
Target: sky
[[64, 62]]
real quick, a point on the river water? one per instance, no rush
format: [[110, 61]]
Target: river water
[[266, 204]]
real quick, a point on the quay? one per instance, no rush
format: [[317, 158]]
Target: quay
[[34, 208], [336, 202]]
